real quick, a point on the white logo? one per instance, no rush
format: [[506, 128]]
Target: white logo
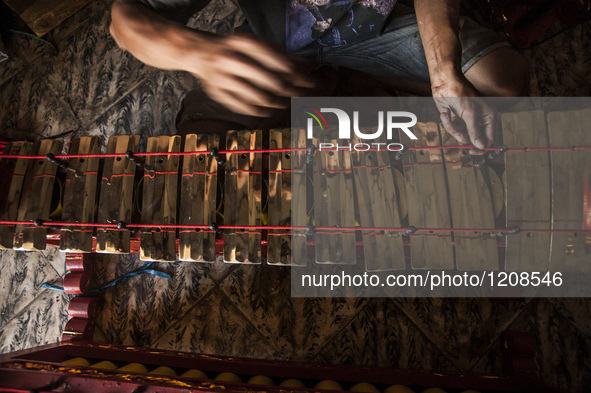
[[345, 124]]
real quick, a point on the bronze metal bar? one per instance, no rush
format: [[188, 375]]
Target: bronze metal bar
[[427, 199], [198, 199], [80, 192], [471, 207], [159, 205], [116, 195], [571, 181], [13, 176], [279, 197], [527, 179], [36, 197]]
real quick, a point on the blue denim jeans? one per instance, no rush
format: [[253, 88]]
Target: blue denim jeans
[[398, 51]]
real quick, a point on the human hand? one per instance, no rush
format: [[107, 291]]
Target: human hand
[[249, 75], [467, 117]]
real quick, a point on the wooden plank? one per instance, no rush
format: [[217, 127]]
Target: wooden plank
[[334, 204], [471, 207], [36, 198], [13, 175], [116, 195], [199, 186], [377, 206], [299, 199], [242, 199], [571, 181], [279, 196], [159, 202], [400, 187], [80, 191], [528, 191], [44, 15], [427, 199]]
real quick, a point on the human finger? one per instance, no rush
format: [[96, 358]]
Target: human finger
[[250, 93], [451, 128], [272, 57], [489, 119], [476, 152], [238, 65], [468, 114], [232, 101], [259, 50]]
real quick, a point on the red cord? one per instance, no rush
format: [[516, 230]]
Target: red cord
[[65, 156], [272, 228], [190, 153]]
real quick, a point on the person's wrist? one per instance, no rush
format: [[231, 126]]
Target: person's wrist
[[445, 79], [194, 47], [452, 85]]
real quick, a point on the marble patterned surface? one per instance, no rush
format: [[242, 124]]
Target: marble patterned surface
[[93, 87], [29, 314]]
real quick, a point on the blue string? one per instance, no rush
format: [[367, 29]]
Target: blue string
[[96, 290], [52, 286], [54, 49], [144, 269]]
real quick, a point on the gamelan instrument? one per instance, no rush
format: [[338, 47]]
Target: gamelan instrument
[[93, 367], [525, 207]]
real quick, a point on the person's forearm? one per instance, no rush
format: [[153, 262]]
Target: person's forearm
[[155, 40], [241, 71], [438, 25]]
